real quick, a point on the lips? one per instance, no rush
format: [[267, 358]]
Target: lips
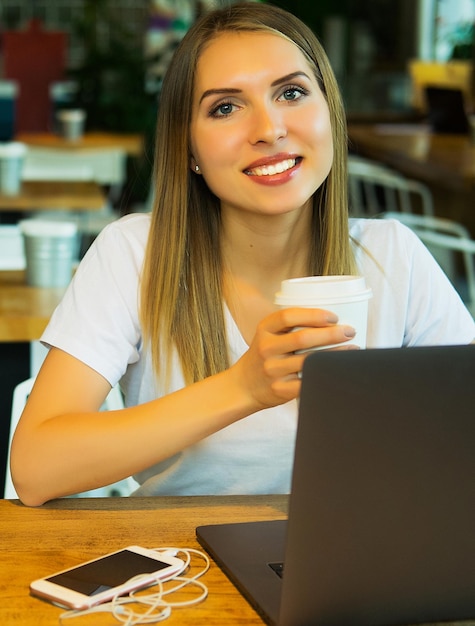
[[271, 168]]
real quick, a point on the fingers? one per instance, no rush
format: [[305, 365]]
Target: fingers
[[284, 366], [303, 339], [286, 319], [270, 370], [289, 366], [310, 328]]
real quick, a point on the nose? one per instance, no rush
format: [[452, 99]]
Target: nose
[[268, 125]]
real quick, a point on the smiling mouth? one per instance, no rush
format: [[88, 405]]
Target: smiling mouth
[[275, 168]]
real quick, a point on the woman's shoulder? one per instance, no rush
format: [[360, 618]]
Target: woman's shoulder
[[131, 226], [382, 234], [371, 228], [124, 237], [379, 243], [120, 244]]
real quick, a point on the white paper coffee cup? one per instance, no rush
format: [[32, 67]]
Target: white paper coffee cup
[[346, 296]]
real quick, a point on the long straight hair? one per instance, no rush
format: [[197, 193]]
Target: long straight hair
[[181, 289]]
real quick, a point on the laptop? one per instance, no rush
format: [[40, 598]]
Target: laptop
[[381, 523], [446, 110]]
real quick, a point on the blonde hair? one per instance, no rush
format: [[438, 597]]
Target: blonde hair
[[181, 289]]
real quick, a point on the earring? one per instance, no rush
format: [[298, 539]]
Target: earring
[[197, 168]]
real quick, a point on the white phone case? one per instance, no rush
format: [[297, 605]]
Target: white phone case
[[58, 591]]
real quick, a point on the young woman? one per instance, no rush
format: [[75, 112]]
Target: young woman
[[250, 187]]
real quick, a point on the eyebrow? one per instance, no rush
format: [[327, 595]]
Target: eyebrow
[[230, 90]]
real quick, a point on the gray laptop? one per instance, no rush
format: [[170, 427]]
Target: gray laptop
[[381, 525]]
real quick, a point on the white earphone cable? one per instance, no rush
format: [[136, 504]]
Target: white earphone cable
[[130, 611]]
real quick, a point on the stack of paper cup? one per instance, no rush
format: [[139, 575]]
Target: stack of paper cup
[[50, 251], [346, 296], [12, 156], [71, 123]]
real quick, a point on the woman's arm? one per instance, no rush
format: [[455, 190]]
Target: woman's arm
[[64, 444]]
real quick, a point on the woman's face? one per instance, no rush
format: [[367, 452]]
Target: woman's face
[[260, 129]]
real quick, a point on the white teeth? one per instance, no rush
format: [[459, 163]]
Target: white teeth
[[271, 170]]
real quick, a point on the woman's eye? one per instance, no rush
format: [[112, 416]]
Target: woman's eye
[[222, 110], [293, 93]]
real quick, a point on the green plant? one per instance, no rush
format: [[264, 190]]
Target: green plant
[[110, 87], [111, 78], [462, 39]]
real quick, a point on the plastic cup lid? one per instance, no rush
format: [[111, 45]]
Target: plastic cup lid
[[47, 228], [322, 290], [73, 115], [12, 149]]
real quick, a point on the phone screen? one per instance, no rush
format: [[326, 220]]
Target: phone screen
[[110, 571]]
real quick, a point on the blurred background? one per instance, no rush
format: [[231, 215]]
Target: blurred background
[[108, 57], [108, 45]]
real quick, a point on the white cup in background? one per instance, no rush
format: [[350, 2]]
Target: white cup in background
[[71, 123], [12, 156], [346, 296], [50, 251]]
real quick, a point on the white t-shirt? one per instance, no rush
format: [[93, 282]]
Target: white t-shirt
[[97, 322]]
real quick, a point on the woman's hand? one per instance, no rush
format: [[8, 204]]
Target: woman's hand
[[269, 370]]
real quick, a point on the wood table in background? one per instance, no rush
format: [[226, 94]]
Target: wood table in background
[[446, 163], [448, 160], [24, 310], [50, 195], [132, 144], [63, 533]]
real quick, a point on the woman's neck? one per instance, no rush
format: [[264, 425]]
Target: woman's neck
[[265, 250], [256, 258]]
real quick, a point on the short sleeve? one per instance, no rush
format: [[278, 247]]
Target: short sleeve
[[97, 320]]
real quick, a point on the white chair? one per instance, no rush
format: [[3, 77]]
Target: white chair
[[451, 245], [20, 395], [374, 188]]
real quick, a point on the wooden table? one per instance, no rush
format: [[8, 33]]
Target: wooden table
[[64, 195], [24, 310], [448, 160], [445, 162], [132, 144], [62, 533]]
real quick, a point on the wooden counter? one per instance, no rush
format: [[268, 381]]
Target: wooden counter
[[51, 195], [132, 144], [63, 533], [24, 310]]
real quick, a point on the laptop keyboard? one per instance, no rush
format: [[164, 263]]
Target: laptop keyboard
[[278, 568]]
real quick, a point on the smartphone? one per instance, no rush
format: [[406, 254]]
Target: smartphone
[[100, 580]]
